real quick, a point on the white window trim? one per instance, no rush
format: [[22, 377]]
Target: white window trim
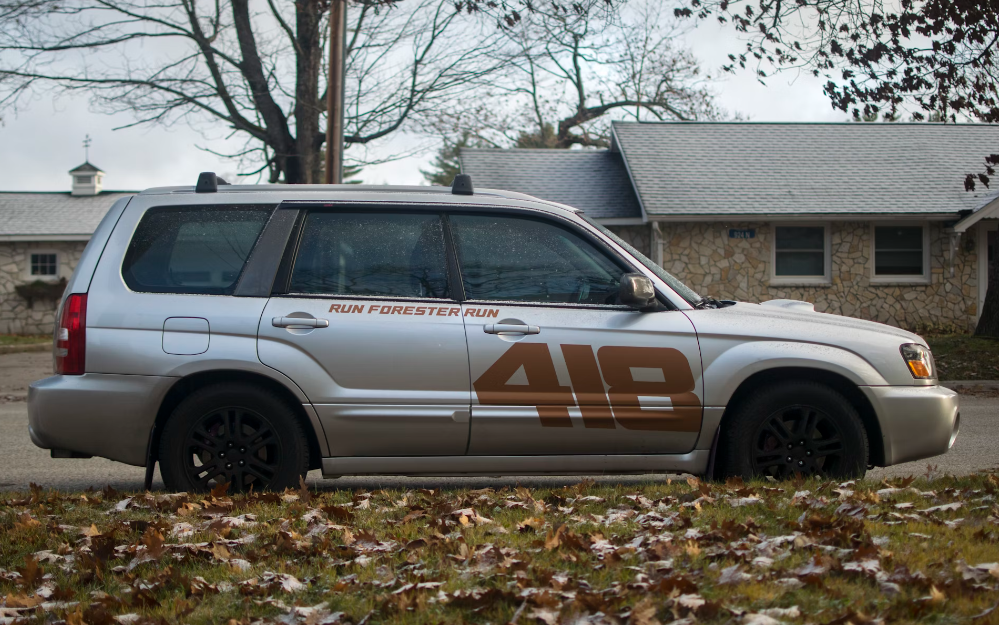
[[30, 277], [823, 280], [923, 278]]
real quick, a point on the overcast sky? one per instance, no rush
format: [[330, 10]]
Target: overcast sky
[[42, 142]]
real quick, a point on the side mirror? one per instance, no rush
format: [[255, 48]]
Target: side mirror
[[637, 291]]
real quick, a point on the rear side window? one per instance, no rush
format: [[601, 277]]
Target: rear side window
[[371, 254], [528, 260], [200, 250]]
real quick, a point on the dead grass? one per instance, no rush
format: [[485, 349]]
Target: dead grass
[[24, 339], [794, 552]]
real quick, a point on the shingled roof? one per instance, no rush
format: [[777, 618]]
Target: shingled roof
[[749, 168], [53, 216], [594, 181]]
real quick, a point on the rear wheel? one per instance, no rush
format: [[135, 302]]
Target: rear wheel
[[792, 428], [233, 433]]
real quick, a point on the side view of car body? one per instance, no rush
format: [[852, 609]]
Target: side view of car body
[[247, 334]]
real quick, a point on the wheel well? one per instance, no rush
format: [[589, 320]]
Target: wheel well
[[844, 386], [185, 386]]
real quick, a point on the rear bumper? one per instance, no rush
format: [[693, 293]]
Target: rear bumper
[[96, 414], [916, 421]]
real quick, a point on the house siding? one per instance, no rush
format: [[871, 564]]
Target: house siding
[[703, 256], [16, 316]]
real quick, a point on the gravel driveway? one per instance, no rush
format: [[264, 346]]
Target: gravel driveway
[[21, 462]]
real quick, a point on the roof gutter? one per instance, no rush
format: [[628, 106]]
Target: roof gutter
[[989, 211], [13, 238], [700, 217]]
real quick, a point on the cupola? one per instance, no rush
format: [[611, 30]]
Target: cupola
[[87, 179]]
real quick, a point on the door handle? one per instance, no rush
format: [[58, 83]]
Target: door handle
[[299, 322], [510, 328]]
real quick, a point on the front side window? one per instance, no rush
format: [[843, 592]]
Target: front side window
[[372, 254], [898, 251], [800, 252], [198, 250], [529, 260], [44, 264], [674, 283]]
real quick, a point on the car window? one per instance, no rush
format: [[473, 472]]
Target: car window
[[199, 250], [373, 254], [530, 260], [681, 289]]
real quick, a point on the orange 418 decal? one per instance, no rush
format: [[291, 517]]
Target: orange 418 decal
[[617, 405]]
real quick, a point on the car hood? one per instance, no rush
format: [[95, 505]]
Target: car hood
[[876, 343]]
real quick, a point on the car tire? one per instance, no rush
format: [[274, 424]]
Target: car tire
[[234, 433], [792, 428]]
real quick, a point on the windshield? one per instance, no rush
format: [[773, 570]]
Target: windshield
[[681, 289]]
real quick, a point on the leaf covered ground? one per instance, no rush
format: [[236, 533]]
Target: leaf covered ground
[[903, 550]]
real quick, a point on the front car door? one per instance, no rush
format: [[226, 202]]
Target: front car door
[[558, 366], [366, 324]]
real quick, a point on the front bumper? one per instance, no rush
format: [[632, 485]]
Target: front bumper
[[96, 414], [916, 421]]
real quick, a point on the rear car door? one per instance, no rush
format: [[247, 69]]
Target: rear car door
[[558, 366], [364, 322]]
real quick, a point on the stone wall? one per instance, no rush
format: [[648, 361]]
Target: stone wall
[[703, 256], [16, 316]]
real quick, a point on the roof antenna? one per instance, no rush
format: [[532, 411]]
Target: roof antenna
[[462, 185], [208, 182]]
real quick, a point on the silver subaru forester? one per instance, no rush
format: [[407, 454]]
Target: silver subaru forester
[[247, 334]]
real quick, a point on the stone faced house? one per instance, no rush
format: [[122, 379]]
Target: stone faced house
[[863, 220], [42, 235]]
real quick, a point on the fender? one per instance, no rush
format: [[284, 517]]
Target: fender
[[724, 371]]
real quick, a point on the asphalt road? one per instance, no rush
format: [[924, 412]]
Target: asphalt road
[[21, 463]]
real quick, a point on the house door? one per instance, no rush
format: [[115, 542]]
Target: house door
[[988, 243]]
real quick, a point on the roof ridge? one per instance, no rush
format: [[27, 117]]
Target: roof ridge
[[557, 150]]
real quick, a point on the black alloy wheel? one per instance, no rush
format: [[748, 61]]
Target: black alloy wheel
[[233, 433], [798, 440], [234, 445], [797, 427]]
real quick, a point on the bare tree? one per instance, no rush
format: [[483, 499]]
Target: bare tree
[[255, 67], [569, 70]]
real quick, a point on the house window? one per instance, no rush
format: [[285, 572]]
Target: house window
[[44, 264], [84, 179], [801, 254], [900, 252]]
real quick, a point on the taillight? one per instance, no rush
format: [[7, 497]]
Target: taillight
[[71, 337]]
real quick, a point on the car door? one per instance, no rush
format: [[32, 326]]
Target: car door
[[366, 325], [557, 365]]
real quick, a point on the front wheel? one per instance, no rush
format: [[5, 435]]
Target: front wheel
[[233, 433], [794, 428]]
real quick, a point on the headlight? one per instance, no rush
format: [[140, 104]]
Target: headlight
[[920, 361]]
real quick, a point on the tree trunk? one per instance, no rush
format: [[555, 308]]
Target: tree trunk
[[308, 65], [988, 323]]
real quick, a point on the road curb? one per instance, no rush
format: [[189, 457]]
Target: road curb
[[28, 347], [971, 384]]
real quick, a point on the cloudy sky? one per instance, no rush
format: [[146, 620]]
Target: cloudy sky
[[43, 141]]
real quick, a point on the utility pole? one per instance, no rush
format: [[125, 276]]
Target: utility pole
[[334, 92]]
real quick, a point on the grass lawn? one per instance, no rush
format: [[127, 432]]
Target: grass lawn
[[758, 554], [965, 357], [29, 339]]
